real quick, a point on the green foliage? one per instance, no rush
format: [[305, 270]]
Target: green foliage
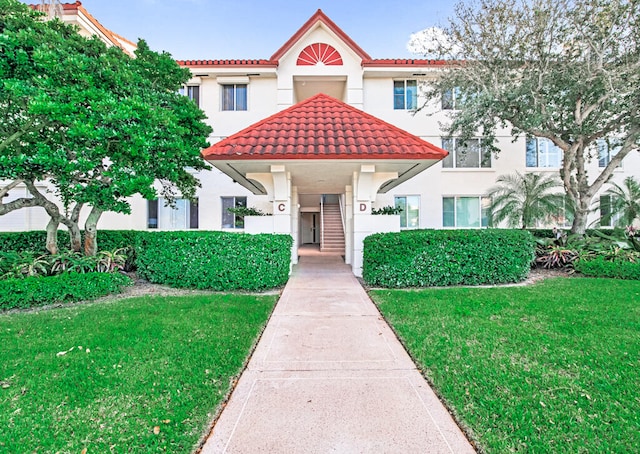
[[143, 362], [524, 200], [600, 266], [566, 71], [424, 258], [246, 211], [34, 241], [68, 287], [556, 257], [98, 124], [625, 202], [389, 209], [543, 368], [214, 260]]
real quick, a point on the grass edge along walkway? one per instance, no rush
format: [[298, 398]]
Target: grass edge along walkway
[[138, 374], [551, 367]]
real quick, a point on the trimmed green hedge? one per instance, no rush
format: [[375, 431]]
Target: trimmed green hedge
[[600, 267], [425, 258], [214, 260], [68, 287], [35, 240]]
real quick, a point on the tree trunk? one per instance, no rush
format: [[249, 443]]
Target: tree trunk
[[52, 236], [75, 237], [91, 232]]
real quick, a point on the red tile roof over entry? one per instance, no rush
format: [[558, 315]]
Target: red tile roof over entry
[[322, 127]]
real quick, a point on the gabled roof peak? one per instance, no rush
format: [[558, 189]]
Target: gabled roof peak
[[320, 16]]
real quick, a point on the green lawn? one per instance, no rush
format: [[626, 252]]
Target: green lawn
[[552, 367], [129, 367]]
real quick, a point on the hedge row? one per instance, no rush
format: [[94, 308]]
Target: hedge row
[[214, 260], [600, 267], [425, 258], [35, 240], [39, 291]]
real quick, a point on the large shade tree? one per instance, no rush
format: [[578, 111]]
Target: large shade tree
[[565, 70], [95, 124]]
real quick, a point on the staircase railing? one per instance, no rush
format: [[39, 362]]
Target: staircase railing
[[342, 212], [321, 222]]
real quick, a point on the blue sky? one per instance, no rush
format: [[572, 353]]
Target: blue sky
[[205, 29]]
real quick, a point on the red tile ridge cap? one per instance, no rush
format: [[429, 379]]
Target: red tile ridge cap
[[320, 16], [391, 62]]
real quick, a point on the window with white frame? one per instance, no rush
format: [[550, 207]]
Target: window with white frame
[[606, 151], [542, 152], [465, 212], [405, 94], [469, 154], [231, 220], [181, 216], [192, 92], [450, 99], [410, 214], [608, 217], [234, 97]]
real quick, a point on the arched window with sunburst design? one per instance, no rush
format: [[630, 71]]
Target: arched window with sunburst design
[[319, 53]]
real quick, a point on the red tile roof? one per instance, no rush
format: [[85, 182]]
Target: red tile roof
[[322, 127]]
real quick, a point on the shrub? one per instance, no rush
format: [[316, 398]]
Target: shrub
[[35, 241], [68, 287], [601, 267], [424, 258], [214, 260]]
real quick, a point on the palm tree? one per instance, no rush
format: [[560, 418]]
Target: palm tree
[[523, 200], [625, 200]]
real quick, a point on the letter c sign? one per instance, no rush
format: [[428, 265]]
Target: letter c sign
[[363, 207], [281, 207]]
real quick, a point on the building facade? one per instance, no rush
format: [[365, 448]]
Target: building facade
[[321, 59]]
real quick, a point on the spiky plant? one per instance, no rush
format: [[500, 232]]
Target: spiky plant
[[625, 201], [523, 200]]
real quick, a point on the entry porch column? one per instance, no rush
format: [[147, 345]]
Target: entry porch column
[[366, 183]]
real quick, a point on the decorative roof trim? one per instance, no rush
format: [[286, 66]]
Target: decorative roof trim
[[322, 17], [228, 63]]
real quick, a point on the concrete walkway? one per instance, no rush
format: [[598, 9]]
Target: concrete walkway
[[329, 376]]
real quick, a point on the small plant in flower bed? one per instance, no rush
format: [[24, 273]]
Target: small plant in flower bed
[[14, 265], [387, 210]]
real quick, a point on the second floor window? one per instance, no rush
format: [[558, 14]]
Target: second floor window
[[541, 152], [606, 151], [469, 154], [192, 92], [234, 97], [405, 94], [450, 99]]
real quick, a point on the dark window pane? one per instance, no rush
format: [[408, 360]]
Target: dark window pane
[[227, 97], [193, 214], [228, 218], [194, 93], [447, 100], [398, 95], [447, 144], [241, 97], [412, 94], [152, 214], [448, 212], [532, 152]]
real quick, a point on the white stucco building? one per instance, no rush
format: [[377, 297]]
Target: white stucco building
[[294, 184]]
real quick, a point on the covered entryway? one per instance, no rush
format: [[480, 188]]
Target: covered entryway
[[323, 146]]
